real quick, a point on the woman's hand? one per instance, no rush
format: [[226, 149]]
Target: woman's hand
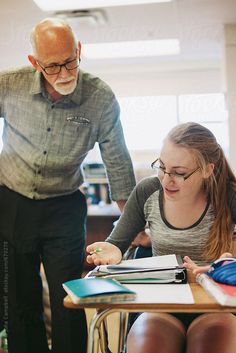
[[190, 264], [103, 253]]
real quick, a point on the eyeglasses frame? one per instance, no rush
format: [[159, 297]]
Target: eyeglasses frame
[[44, 68], [171, 175]]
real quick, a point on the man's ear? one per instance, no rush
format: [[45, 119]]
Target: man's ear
[[34, 62], [209, 170], [78, 50]]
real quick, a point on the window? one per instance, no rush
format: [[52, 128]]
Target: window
[[147, 120], [208, 110]]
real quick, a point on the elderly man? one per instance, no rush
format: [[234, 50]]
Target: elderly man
[[53, 115]]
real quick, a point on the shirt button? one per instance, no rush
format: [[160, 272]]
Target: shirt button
[[44, 152], [48, 129]]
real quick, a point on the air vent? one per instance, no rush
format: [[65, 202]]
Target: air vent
[[92, 18]]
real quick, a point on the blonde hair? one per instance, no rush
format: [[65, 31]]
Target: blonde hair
[[205, 148]]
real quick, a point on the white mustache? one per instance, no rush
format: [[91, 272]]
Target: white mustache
[[69, 79]]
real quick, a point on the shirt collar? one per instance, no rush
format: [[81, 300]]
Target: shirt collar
[[36, 86]]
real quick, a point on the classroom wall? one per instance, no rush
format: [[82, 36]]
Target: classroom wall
[[134, 80]]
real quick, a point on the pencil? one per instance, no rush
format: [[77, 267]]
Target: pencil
[[96, 251]]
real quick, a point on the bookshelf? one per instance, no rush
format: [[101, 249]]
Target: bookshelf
[[95, 186]]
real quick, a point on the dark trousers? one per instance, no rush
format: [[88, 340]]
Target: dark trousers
[[50, 231]]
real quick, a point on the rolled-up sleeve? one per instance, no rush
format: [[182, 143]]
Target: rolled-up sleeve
[[114, 152]]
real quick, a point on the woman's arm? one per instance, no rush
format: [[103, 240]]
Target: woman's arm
[[190, 265], [131, 222]]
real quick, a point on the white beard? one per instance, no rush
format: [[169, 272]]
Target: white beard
[[63, 88]]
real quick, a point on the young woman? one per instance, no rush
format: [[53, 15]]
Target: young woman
[[190, 208]]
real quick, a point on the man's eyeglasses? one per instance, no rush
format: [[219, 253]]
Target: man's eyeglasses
[[56, 69], [177, 177]]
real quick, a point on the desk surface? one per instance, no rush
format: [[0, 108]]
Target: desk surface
[[203, 303]]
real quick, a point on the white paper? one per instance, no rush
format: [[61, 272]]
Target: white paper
[[164, 261], [162, 293]]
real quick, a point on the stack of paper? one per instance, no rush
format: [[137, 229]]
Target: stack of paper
[[156, 269]]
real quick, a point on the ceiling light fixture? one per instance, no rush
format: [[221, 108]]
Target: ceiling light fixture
[[60, 5], [130, 49]]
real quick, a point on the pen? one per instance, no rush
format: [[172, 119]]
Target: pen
[[96, 251]]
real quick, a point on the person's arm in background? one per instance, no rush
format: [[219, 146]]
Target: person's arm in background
[[142, 239], [121, 204]]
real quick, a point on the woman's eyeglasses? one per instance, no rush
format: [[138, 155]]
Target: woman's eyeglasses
[[177, 177]]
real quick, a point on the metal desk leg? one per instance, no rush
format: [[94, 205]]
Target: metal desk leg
[[103, 336], [124, 316], [97, 333]]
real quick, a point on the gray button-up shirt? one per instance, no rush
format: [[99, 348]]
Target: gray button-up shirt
[[45, 142]]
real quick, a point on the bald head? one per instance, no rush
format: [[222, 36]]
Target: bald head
[[55, 47], [51, 33]]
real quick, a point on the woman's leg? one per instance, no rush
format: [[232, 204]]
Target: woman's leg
[[156, 333], [212, 333]]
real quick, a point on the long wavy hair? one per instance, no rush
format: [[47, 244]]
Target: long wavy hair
[[203, 144]]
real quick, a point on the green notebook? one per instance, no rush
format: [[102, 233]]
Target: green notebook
[[97, 290]]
